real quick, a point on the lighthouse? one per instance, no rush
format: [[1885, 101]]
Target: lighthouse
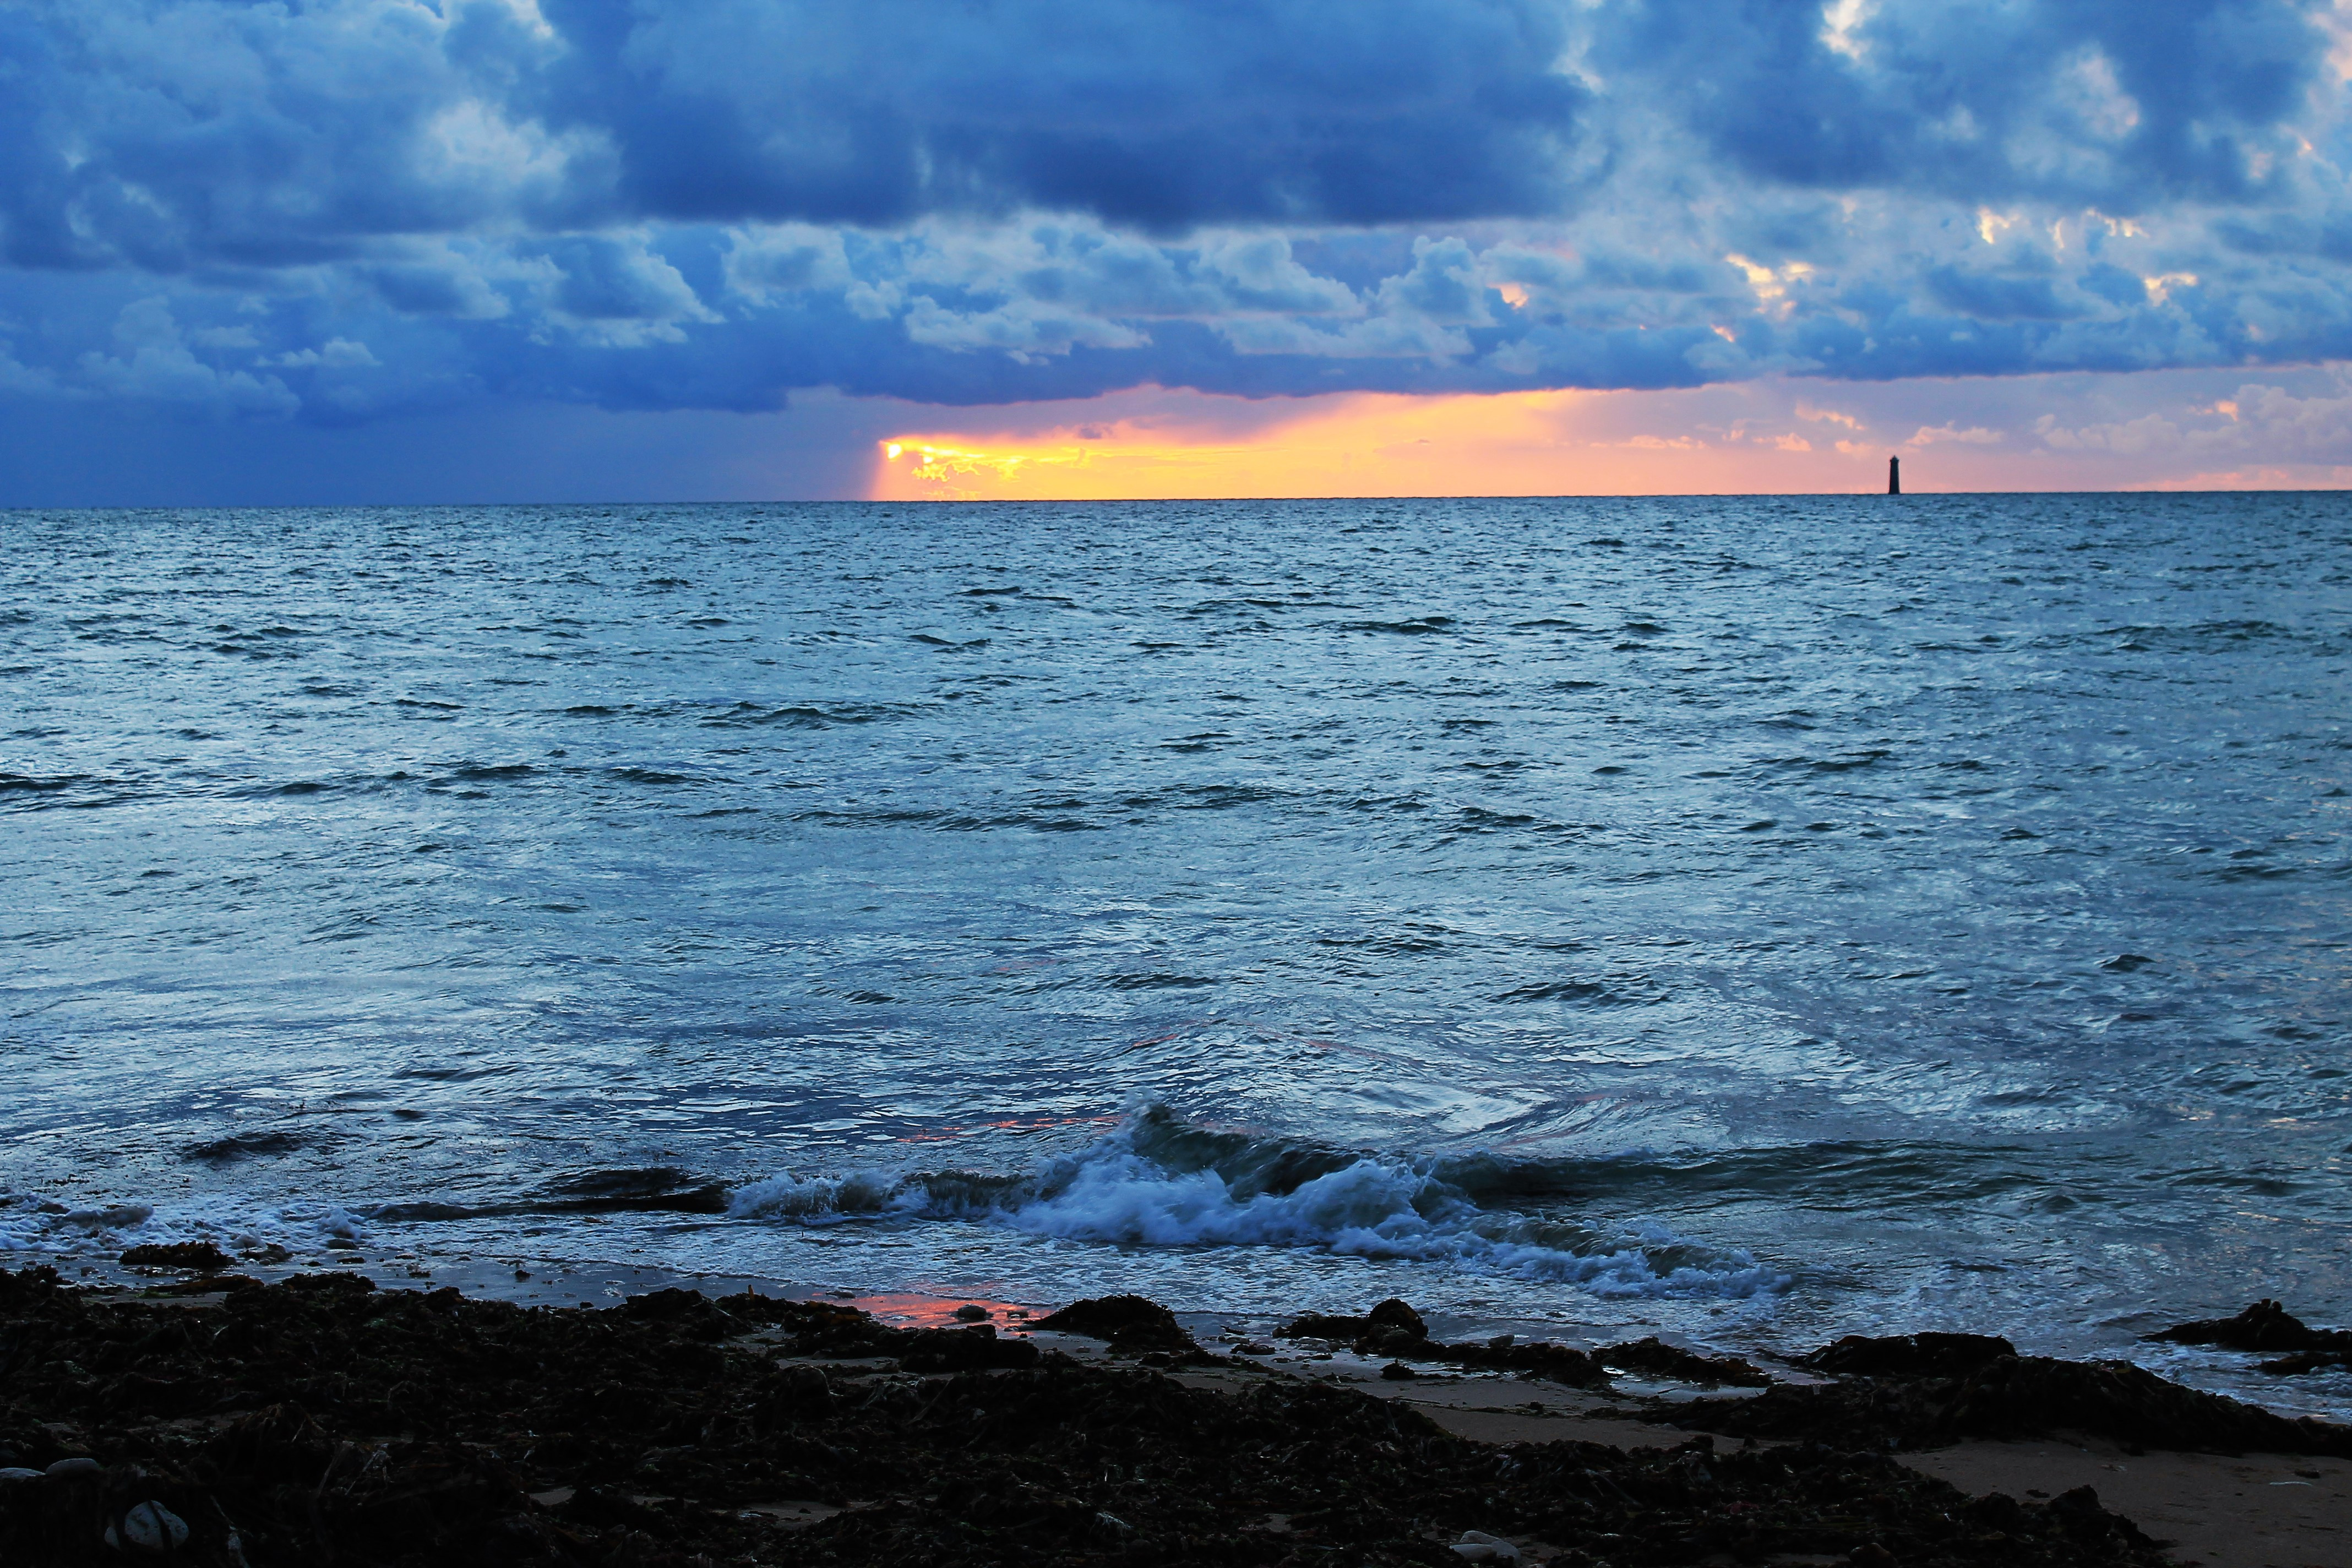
[[1895, 476]]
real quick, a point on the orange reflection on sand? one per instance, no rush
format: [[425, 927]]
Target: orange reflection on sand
[[911, 1310], [1197, 446]]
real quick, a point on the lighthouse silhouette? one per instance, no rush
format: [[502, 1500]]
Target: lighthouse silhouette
[[1895, 476]]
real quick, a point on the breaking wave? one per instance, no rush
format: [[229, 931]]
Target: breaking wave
[[40, 1225], [1159, 1182]]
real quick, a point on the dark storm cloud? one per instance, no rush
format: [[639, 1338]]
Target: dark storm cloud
[[1162, 113]]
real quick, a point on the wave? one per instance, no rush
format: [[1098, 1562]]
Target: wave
[[33, 1224], [1160, 1182]]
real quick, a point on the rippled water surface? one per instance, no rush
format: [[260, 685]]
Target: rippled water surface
[[1755, 918]]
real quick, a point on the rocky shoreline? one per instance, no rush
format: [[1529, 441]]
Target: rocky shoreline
[[219, 1421]]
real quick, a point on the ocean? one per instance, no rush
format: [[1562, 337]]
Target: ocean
[[1749, 921]]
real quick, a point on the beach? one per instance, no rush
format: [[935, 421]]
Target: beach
[[225, 1421]]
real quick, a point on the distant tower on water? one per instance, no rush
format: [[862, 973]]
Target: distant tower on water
[[1895, 476]]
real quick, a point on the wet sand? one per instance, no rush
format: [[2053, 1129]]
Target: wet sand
[[2257, 1510]]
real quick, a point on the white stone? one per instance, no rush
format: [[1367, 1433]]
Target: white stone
[[1477, 1546], [151, 1527]]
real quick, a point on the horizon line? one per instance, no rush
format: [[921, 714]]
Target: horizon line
[[951, 502]]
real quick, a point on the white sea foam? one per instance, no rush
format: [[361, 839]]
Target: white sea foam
[[32, 1223], [1134, 1188]]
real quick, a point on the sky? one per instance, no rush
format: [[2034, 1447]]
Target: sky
[[395, 251]]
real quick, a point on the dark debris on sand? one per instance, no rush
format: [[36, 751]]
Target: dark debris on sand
[[1925, 1391], [1394, 1328], [323, 1421], [1130, 1325], [2267, 1327]]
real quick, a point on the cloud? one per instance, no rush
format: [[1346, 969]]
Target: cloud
[[351, 210], [2116, 102], [614, 290], [1024, 329], [1158, 113], [1974, 436], [336, 353], [153, 363], [183, 133], [24, 379], [1994, 298], [180, 134], [786, 258], [2257, 423]]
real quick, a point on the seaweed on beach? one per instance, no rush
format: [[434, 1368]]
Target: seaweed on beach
[[323, 1421], [1130, 1325], [2267, 1327], [1909, 1355], [1393, 1329], [1931, 1390]]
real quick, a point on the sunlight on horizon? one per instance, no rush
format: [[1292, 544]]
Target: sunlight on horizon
[[1365, 444]]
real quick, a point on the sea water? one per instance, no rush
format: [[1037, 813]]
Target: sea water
[[1749, 919]]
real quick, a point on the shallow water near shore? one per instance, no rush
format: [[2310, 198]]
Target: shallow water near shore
[[1755, 919]]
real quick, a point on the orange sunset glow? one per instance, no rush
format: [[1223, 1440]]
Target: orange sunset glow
[[1200, 446]]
